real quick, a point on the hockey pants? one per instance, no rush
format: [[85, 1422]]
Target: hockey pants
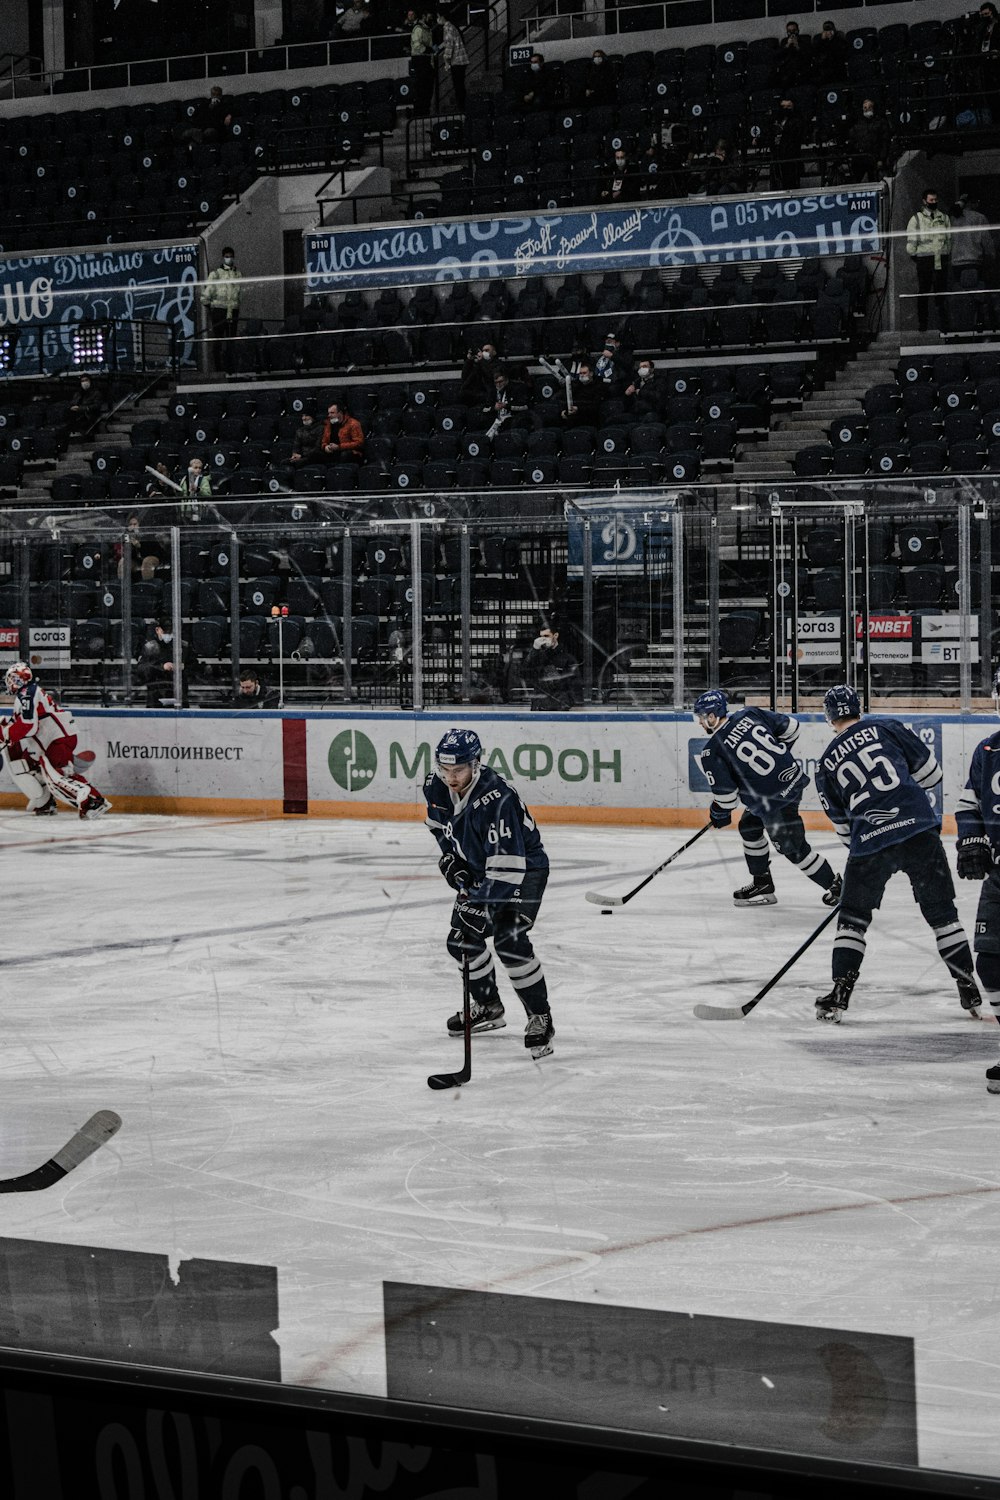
[[509, 929]]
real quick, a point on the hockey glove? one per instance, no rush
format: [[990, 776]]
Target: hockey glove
[[720, 816], [458, 875], [975, 858], [473, 920]]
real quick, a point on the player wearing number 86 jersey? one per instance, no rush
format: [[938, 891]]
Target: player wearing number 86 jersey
[[873, 780], [749, 759]]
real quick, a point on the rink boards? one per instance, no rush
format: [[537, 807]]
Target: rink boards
[[579, 767]]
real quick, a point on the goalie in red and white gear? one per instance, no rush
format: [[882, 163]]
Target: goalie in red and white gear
[[42, 733], [29, 782]]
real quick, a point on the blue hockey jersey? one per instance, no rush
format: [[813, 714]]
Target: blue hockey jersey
[[873, 781], [978, 810], [490, 830], [749, 759]]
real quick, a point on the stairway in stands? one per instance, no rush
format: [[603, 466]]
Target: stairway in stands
[[773, 459]]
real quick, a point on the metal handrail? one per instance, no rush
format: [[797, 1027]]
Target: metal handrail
[[233, 62], [604, 21]]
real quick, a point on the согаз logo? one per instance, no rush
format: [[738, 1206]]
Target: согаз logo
[[352, 760]]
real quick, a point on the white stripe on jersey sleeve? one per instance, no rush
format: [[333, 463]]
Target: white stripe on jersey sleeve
[[727, 799], [506, 867], [843, 832], [968, 802], [791, 734], [929, 774]]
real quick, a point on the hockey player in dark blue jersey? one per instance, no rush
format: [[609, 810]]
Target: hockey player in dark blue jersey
[[978, 819], [492, 857], [873, 780], [748, 759]]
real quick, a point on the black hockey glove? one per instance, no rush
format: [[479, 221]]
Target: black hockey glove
[[719, 816], [975, 858], [474, 920], [458, 876]]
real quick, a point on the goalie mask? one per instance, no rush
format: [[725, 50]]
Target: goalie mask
[[459, 747], [17, 677]]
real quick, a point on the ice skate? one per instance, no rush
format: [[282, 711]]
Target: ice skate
[[832, 1006], [760, 892], [538, 1035], [48, 809], [831, 896], [969, 996], [993, 1079], [94, 806], [485, 1017]]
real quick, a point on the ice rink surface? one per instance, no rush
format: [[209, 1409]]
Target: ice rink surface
[[262, 1002]]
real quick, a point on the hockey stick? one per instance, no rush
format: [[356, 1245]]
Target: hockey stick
[[600, 900], [738, 1012], [455, 1080], [88, 1139]]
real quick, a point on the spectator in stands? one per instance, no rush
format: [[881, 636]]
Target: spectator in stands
[[664, 166], [599, 81], [624, 182], [510, 400], [252, 693], [160, 489], [828, 55], [155, 671], [86, 406], [987, 43], [422, 67], [551, 673], [793, 56], [221, 299], [869, 141], [139, 553], [305, 444], [645, 397], [538, 90], [356, 19], [211, 121], [613, 366], [928, 241], [195, 486], [787, 136], [476, 388], [972, 245], [586, 394], [719, 173], [455, 57], [342, 440]]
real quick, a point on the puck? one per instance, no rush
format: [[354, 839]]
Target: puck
[[605, 911]]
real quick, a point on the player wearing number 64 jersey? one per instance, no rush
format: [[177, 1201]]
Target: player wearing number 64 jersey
[[873, 780], [978, 819], [749, 759]]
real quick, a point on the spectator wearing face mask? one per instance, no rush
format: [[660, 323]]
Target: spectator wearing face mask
[[612, 366], [793, 56], [786, 147], [537, 90], [599, 81], [510, 401], [870, 143], [342, 439], [644, 396], [221, 300], [828, 56], [972, 246], [306, 442], [86, 406], [625, 182], [478, 370], [586, 394], [928, 242]]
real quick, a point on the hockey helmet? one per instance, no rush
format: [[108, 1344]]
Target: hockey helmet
[[459, 747], [17, 677], [714, 703], [841, 702]]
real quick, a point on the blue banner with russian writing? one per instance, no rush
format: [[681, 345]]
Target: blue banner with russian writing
[[696, 232], [118, 285]]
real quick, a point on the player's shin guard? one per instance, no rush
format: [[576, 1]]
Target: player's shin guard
[[72, 789], [849, 946], [953, 946], [757, 854], [988, 969], [528, 980], [817, 868]]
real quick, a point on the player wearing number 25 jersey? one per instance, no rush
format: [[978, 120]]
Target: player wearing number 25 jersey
[[749, 759], [873, 780]]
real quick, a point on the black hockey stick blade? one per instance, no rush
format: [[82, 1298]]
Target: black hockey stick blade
[[740, 1012], [599, 900], [88, 1139], [455, 1080]]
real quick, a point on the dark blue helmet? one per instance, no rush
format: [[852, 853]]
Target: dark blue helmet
[[712, 702], [459, 747], [842, 702]]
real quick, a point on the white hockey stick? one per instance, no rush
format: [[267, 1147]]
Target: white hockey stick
[[88, 1139], [599, 900], [740, 1012]]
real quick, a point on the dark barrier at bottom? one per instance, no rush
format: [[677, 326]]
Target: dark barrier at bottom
[[75, 1430], [811, 1391]]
